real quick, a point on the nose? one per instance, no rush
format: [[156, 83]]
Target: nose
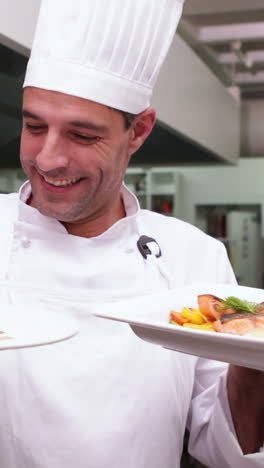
[[53, 153]]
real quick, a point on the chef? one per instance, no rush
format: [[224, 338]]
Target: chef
[[75, 237]]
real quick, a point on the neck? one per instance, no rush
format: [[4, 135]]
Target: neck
[[95, 226], [98, 225]]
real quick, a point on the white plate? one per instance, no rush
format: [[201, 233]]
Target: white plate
[[33, 327], [148, 317]]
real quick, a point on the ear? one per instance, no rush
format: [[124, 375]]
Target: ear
[[141, 128]]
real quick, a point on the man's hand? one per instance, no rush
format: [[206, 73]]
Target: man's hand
[[245, 388]]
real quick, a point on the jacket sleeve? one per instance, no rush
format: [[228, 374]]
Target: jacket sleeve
[[212, 435]]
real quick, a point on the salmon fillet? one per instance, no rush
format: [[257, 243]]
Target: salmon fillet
[[240, 325]]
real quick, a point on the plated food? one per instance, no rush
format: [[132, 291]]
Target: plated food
[[230, 315], [148, 317]]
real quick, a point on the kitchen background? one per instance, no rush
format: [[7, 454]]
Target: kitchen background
[[204, 160]]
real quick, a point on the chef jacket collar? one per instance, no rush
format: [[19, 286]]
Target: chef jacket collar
[[31, 215], [122, 229]]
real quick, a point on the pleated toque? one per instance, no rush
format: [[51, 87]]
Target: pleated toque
[[107, 51]]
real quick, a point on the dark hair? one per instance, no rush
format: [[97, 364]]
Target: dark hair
[[129, 118]]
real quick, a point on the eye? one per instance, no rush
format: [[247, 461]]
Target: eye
[[34, 128], [84, 139]]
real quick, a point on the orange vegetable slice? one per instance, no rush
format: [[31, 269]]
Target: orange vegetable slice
[[177, 317]]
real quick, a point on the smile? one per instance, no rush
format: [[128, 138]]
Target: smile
[[62, 182]]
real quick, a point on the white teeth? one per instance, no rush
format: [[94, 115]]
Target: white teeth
[[59, 183]]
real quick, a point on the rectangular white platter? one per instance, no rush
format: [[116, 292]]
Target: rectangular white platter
[[148, 316]]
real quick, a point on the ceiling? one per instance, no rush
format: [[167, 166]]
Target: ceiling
[[229, 36]]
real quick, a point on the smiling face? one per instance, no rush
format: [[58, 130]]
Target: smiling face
[[75, 153]]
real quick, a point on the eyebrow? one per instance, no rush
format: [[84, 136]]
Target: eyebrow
[[89, 125], [30, 115], [75, 123]]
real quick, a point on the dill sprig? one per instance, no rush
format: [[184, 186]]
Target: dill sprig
[[232, 302]]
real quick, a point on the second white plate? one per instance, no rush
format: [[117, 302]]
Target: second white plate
[[26, 327]]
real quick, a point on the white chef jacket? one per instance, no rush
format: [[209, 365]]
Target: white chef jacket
[[105, 398]]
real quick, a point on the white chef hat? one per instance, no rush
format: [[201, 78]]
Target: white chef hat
[[107, 51]]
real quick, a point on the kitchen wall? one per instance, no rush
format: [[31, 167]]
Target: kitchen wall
[[242, 184], [227, 201], [17, 23], [191, 99], [252, 121], [11, 180]]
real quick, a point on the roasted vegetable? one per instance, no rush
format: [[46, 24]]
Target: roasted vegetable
[[193, 316]]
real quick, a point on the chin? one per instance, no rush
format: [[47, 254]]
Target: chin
[[44, 209], [59, 215]]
